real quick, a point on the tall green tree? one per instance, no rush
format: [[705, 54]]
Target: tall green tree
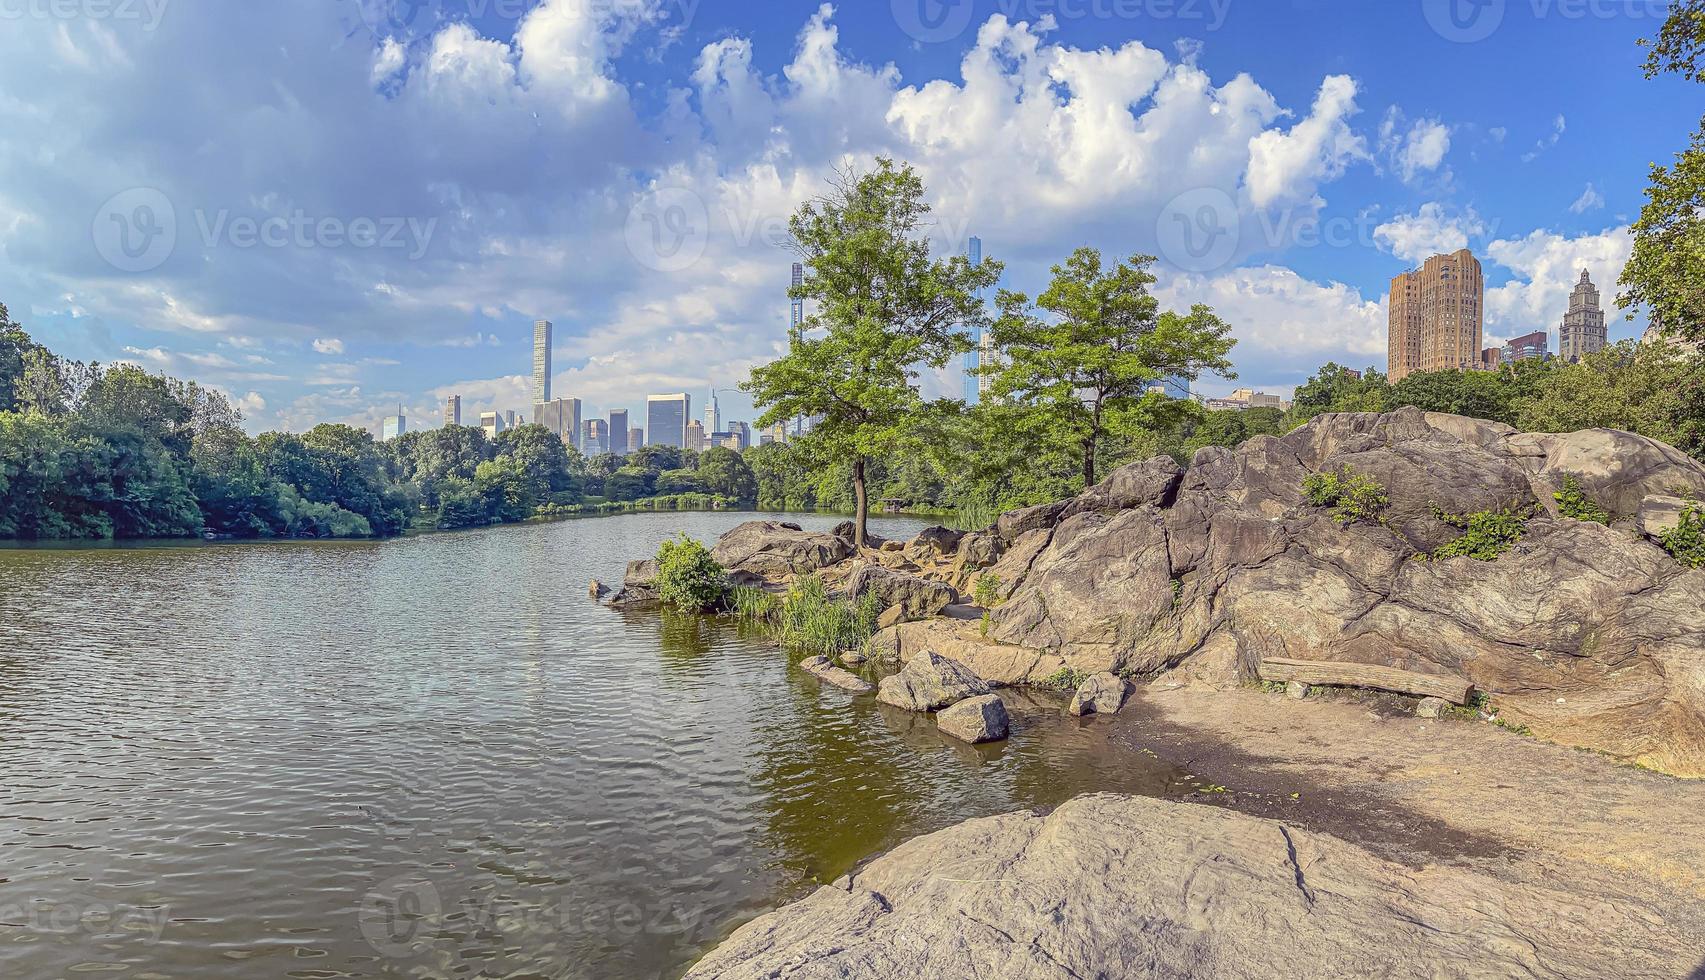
[[723, 471], [882, 308], [1084, 369], [1666, 272]]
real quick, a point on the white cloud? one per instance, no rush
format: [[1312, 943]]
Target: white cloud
[[1429, 231], [326, 345], [1286, 166], [1546, 266], [388, 59], [1590, 200], [1558, 127], [1292, 323]]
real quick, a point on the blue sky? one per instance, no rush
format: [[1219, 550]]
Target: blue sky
[[329, 207]]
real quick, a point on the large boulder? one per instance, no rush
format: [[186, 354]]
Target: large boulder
[[1589, 635], [936, 540], [1113, 886], [772, 550], [930, 682], [975, 720], [919, 597], [1153, 482]]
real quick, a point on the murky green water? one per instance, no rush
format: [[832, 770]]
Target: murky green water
[[437, 757]]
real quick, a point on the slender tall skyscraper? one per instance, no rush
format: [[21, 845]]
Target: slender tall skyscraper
[[541, 362], [713, 414], [974, 357], [796, 319], [453, 410]]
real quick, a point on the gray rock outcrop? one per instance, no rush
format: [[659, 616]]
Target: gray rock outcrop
[[930, 682], [1111, 886], [919, 597], [1590, 635], [772, 551], [975, 720]]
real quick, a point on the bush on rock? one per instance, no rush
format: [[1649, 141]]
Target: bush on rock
[[688, 578]]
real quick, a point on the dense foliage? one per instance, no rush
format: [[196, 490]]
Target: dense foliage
[[1686, 541], [1352, 496], [688, 578], [1485, 535]]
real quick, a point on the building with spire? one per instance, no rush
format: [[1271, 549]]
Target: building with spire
[[395, 425], [1435, 319], [1583, 331]]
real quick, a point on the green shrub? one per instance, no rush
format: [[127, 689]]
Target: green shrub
[[688, 578], [987, 590], [807, 619], [1486, 535], [1573, 502], [1064, 679], [1352, 496], [1686, 541]]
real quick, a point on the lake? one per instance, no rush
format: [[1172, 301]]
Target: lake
[[437, 757]]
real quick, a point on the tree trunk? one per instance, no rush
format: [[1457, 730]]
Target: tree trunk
[[1089, 462], [861, 494]]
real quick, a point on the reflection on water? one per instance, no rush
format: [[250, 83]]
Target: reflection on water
[[436, 757]]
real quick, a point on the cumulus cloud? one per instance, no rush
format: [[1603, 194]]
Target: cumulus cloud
[[1413, 149], [1429, 231], [328, 346], [1287, 166], [1546, 266]]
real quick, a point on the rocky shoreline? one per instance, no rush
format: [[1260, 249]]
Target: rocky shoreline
[[1428, 555]]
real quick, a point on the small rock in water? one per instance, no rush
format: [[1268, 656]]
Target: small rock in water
[[852, 658], [930, 682], [599, 590], [828, 673], [979, 719], [1101, 694], [1431, 707], [1297, 690]]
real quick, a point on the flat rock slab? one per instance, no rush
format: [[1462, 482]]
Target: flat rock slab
[[1113, 886], [823, 670], [974, 720]]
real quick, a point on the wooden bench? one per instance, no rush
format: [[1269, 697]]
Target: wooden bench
[[1338, 674]]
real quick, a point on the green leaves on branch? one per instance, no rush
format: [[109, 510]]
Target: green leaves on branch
[[1573, 502], [1686, 541], [1486, 535]]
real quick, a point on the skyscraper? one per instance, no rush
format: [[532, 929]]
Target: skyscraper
[[666, 419], [395, 425], [541, 362], [1536, 344], [695, 436], [1583, 329], [975, 385], [739, 437], [492, 423], [562, 418], [453, 410], [595, 440], [619, 432], [1435, 316], [636, 439], [796, 317], [713, 414]]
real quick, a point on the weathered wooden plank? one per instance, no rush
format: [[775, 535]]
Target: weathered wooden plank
[[1452, 689]]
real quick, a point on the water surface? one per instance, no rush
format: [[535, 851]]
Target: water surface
[[437, 757]]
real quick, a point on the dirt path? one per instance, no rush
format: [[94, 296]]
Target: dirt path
[[1426, 792]]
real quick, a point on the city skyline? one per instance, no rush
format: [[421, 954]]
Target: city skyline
[[1326, 171]]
